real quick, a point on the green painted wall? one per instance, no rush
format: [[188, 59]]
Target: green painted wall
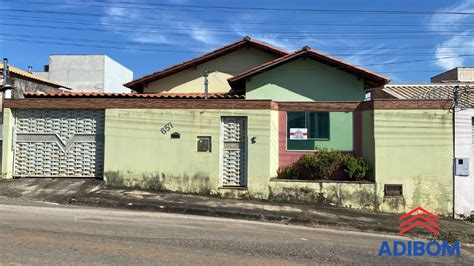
[[305, 80], [368, 142], [220, 69], [7, 151], [341, 135], [137, 154], [415, 148]]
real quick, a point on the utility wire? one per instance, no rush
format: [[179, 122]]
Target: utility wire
[[59, 41], [136, 43], [149, 28], [229, 36], [309, 23], [235, 9], [124, 48], [154, 18], [130, 45]]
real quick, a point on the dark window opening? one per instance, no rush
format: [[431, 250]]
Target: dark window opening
[[393, 190], [175, 135], [316, 123]]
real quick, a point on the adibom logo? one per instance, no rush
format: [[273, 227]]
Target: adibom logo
[[414, 218], [419, 217]]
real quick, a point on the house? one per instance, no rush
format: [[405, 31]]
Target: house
[[24, 81], [220, 64], [170, 136], [87, 73], [458, 74], [463, 118], [21, 82]]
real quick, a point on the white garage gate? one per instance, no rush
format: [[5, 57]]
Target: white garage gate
[[58, 143]]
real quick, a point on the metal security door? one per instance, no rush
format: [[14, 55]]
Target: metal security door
[[234, 151], [58, 143]]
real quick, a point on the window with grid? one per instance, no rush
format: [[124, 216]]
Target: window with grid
[[316, 123]]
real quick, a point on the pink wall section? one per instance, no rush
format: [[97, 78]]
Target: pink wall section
[[285, 157]]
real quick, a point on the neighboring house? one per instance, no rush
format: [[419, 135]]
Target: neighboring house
[[220, 64], [463, 116], [458, 74], [87, 73], [169, 137], [23, 81]]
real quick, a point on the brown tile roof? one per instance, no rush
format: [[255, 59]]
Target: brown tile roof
[[31, 76], [434, 91], [247, 41], [371, 79], [132, 95]]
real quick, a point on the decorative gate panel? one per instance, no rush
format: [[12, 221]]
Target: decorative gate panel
[[234, 151], [59, 143]]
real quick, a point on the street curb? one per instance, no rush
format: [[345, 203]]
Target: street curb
[[233, 214], [95, 199], [192, 210]]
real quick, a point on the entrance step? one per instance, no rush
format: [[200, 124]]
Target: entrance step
[[233, 192]]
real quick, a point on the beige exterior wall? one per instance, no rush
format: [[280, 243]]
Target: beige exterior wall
[[274, 143], [7, 149], [466, 74], [414, 148], [220, 69], [462, 74], [138, 154]]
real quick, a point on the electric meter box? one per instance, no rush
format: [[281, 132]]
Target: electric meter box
[[461, 166]]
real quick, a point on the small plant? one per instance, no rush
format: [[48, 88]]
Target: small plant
[[467, 218], [355, 167], [322, 164], [290, 171], [470, 218]]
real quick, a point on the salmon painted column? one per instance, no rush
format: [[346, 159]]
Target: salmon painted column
[[285, 157]]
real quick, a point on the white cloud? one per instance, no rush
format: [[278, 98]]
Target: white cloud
[[204, 36], [275, 40], [449, 51], [159, 32], [466, 6]]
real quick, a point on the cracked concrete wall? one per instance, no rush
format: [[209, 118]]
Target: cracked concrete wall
[[414, 148], [357, 195]]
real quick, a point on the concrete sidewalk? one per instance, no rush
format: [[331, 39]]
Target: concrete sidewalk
[[91, 192]]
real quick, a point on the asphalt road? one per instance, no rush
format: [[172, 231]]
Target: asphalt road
[[39, 233]]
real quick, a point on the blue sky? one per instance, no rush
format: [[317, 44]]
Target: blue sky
[[147, 36]]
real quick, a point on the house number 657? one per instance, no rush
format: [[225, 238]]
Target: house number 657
[[167, 127]]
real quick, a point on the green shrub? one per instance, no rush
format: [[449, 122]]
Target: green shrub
[[290, 171], [355, 167], [322, 164]]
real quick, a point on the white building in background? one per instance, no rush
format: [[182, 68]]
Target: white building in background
[[442, 87], [87, 73]]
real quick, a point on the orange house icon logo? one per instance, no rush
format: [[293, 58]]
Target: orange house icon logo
[[419, 217]]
